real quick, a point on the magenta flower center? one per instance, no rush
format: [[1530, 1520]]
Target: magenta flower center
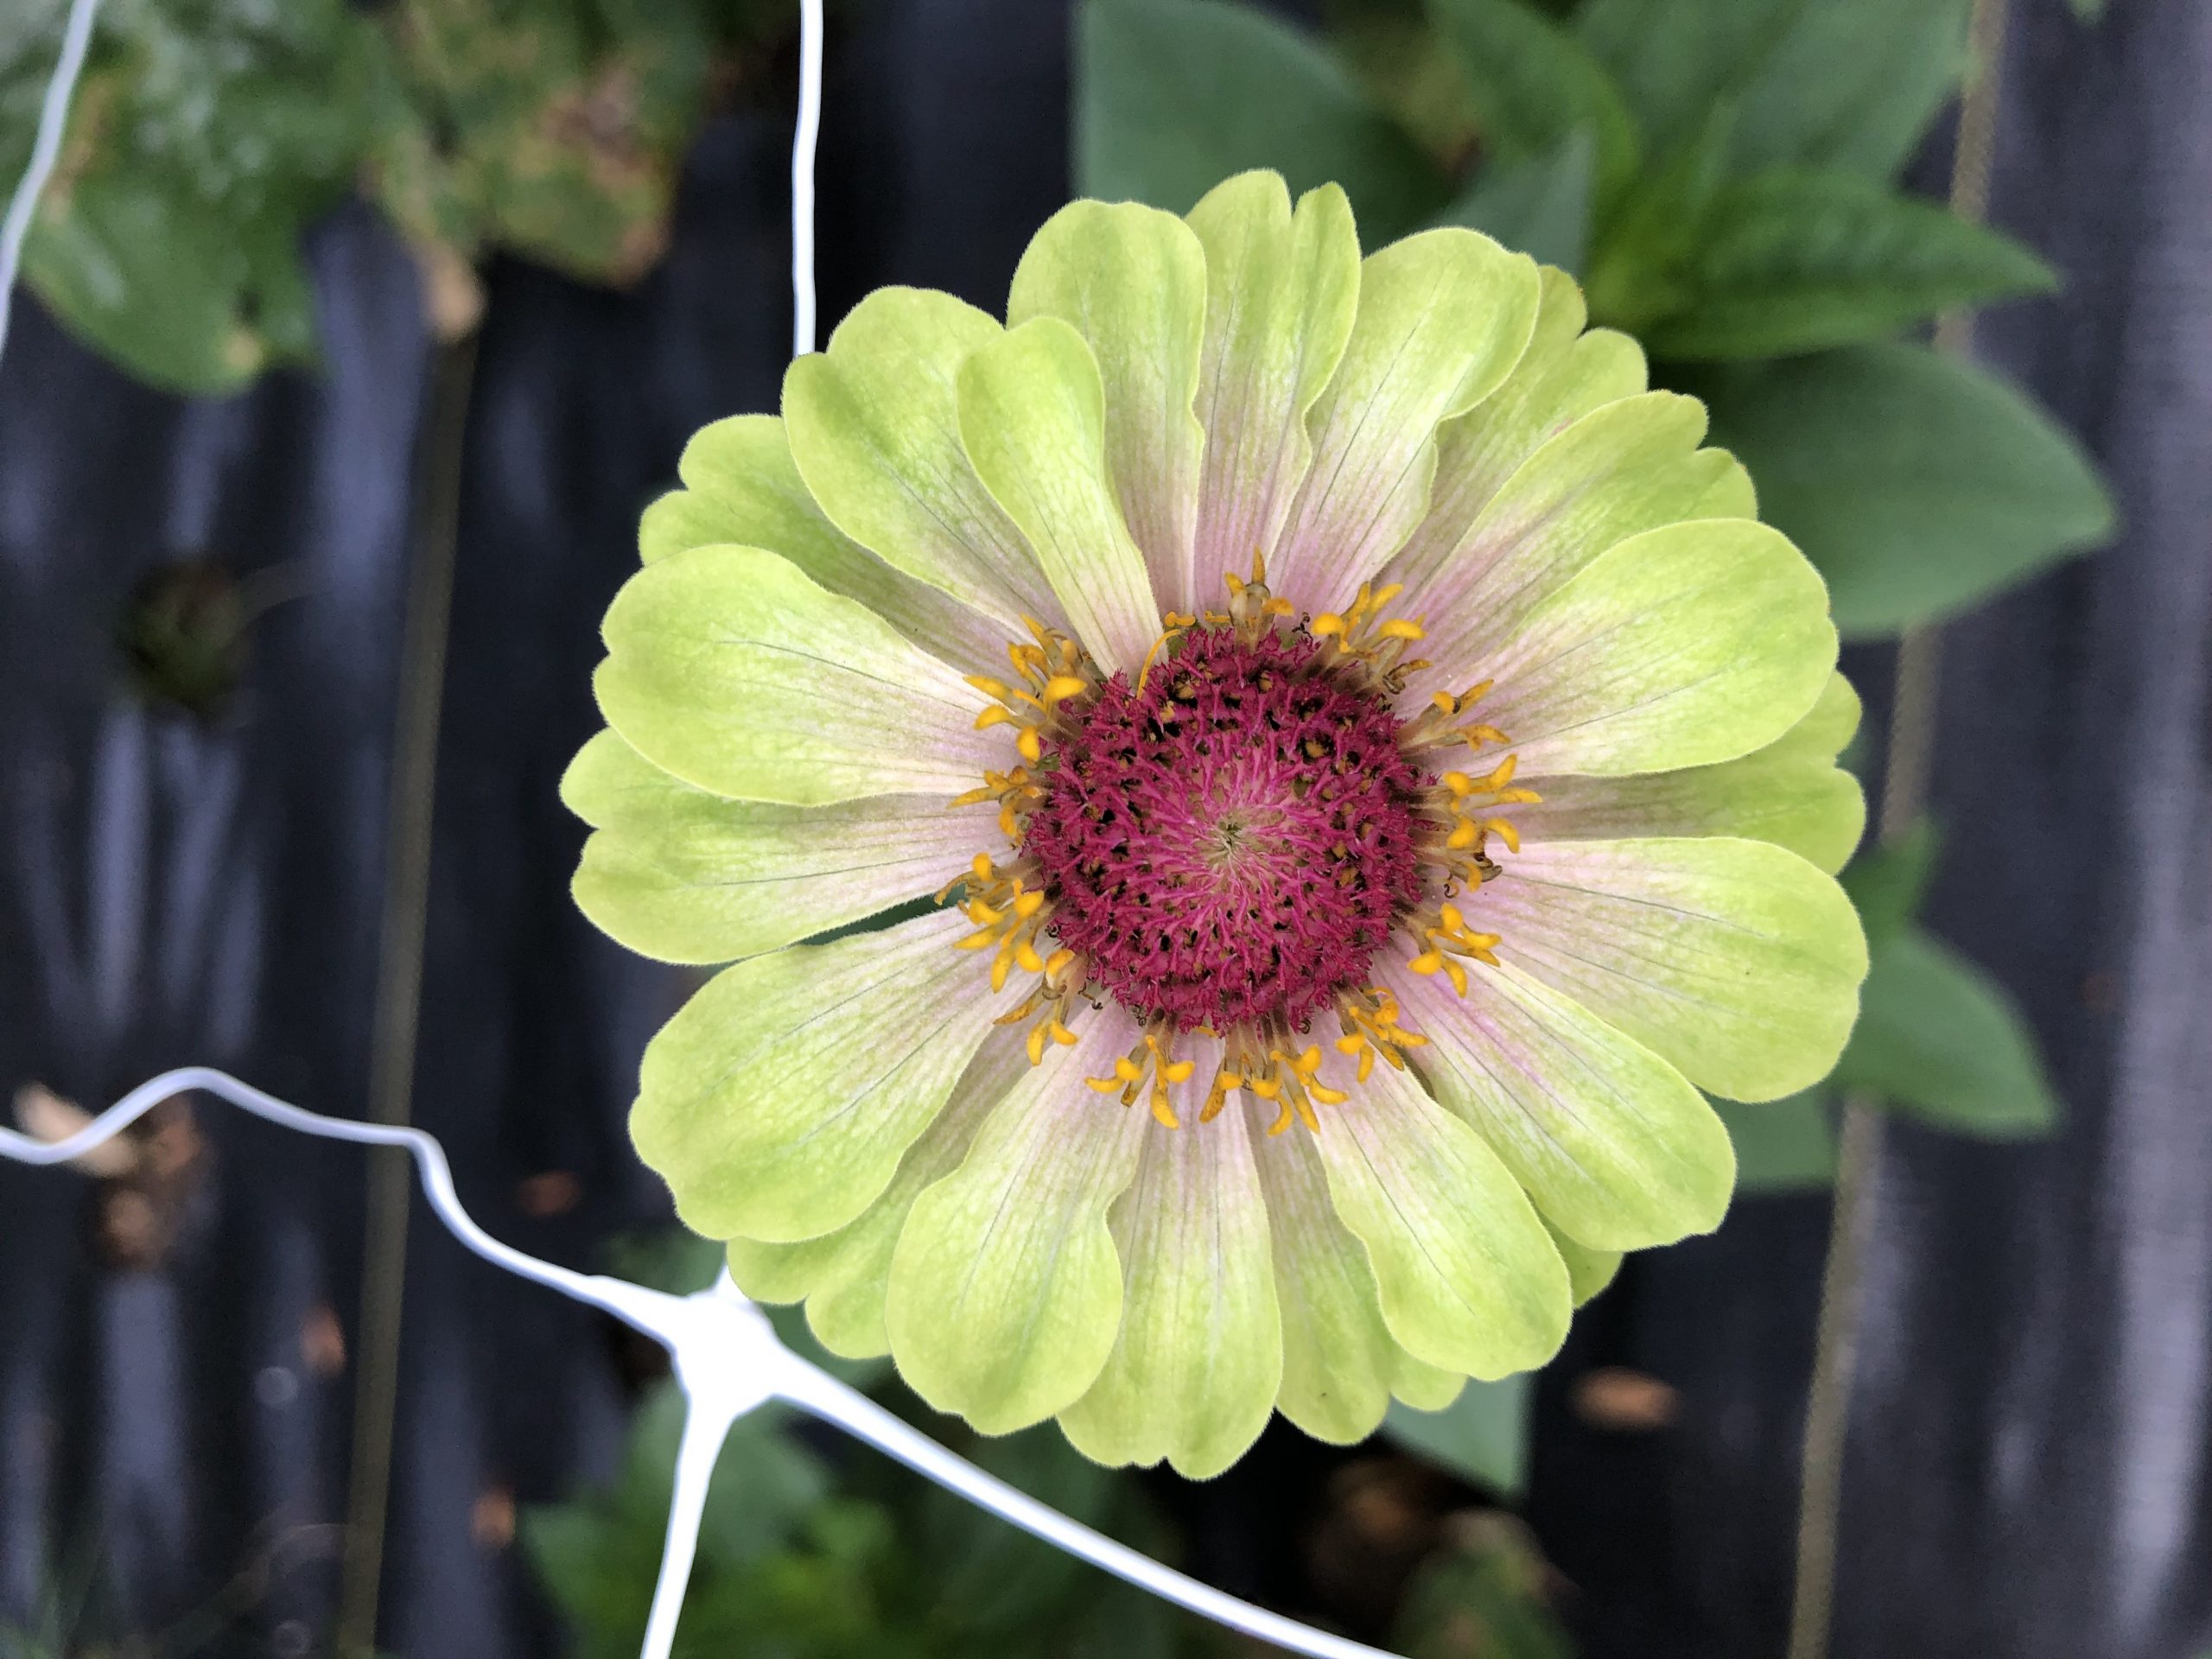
[[1230, 844]]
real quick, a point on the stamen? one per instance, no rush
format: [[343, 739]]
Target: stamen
[[1150, 1057], [1365, 643], [1448, 939]]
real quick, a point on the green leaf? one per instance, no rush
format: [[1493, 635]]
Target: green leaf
[[1540, 206], [1174, 96], [1534, 86], [1845, 84], [1919, 485], [204, 137], [1889, 882], [1644, 247], [597, 1555], [1486, 1594], [1940, 1040], [144, 276], [1482, 1436], [1781, 1145], [1796, 262], [556, 130]]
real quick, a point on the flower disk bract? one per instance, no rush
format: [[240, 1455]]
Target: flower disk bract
[[1232, 842]]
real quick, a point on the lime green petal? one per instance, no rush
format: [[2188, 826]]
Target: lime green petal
[[1735, 961], [1680, 647], [874, 426], [1281, 289], [1632, 465], [1468, 1277], [1132, 281], [743, 486], [841, 1274], [1563, 375], [1589, 1271], [1422, 1386], [1006, 1291], [681, 876], [683, 518], [1443, 317], [1032, 413], [1196, 1366], [1791, 792], [729, 667], [777, 1102], [1340, 1363], [1610, 1141]]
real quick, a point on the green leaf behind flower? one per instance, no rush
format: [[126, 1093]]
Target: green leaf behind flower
[[1794, 262], [1534, 86], [1845, 84], [204, 137], [1888, 882], [1174, 96], [1482, 1436], [1940, 1040], [1781, 1145], [1541, 205], [1920, 485]]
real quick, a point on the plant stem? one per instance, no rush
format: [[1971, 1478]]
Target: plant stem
[[399, 987], [1908, 767]]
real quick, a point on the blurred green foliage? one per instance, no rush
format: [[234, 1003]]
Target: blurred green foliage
[[802, 1559], [1482, 1437], [1486, 1595], [207, 135]]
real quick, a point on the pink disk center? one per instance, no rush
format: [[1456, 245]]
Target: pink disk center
[[1231, 844]]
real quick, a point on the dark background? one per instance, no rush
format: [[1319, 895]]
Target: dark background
[[2027, 1466]]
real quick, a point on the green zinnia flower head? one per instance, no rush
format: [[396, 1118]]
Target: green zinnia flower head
[[1384, 770]]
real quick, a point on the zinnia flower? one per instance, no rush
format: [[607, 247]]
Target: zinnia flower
[[1381, 770]]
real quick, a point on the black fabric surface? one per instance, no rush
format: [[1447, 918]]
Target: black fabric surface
[[2027, 1470]]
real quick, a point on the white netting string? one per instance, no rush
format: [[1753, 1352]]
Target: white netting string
[[46, 149], [727, 1360]]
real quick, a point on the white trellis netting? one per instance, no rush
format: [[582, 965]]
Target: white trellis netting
[[726, 1358]]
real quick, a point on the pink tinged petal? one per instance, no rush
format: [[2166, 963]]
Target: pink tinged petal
[[875, 427], [1443, 317], [1629, 466], [1612, 1143], [741, 486], [1033, 415], [1737, 962], [1468, 1277], [1341, 1365], [1791, 792], [1198, 1358], [1685, 645], [842, 1276], [1563, 375], [679, 874], [1281, 292], [727, 667], [779, 1100], [1132, 281], [1005, 1289]]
